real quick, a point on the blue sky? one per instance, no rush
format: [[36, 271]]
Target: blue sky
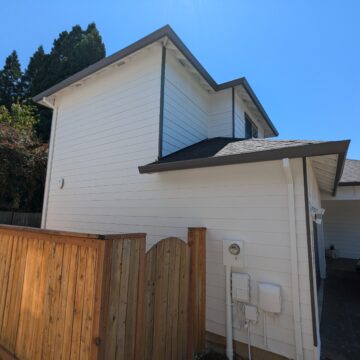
[[302, 58]]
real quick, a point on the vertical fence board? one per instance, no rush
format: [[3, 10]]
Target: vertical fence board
[[76, 296]]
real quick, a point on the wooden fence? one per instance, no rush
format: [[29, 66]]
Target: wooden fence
[[20, 218], [79, 296]]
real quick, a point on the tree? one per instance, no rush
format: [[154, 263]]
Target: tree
[[23, 160], [11, 85], [71, 52], [36, 72]]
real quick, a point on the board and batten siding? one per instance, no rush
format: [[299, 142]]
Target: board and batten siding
[[186, 108], [342, 227]]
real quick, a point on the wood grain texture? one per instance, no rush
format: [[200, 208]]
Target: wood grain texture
[[63, 297], [52, 287]]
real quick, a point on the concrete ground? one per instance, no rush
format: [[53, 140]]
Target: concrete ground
[[340, 320]]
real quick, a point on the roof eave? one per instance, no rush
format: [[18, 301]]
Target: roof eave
[[331, 147], [165, 31]]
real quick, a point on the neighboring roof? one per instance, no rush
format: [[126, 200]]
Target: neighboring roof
[[351, 173], [168, 32]]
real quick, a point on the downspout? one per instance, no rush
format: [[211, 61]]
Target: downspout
[[49, 162], [294, 260], [229, 320]]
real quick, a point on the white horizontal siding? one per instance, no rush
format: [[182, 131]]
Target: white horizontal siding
[[239, 117], [186, 108], [220, 114], [242, 108], [97, 151], [342, 227]]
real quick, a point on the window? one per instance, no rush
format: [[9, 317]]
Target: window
[[251, 131]]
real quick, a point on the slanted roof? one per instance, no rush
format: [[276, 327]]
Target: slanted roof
[[229, 151], [166, 32], [351, 173]]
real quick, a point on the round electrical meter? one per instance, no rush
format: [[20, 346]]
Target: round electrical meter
[[234, 249]]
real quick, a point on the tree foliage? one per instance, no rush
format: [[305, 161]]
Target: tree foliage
[[11, 84], [25, 126], [23, 160]]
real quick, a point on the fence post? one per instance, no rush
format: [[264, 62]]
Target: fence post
[[197, 292]]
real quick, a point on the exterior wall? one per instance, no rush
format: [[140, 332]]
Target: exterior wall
[[191, 114], [239, 118], [186, 108], [109, 127], [342, 227], [220, 114], [233, 202]]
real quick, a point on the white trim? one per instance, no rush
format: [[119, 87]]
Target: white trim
[[49, 162]]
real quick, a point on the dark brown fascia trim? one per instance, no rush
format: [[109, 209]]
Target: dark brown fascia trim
[[309, 246], [233, 111], [242, 81], [349, 183], [165, 31], [145, 41], [162, 93], [331, 147], [339, 170]]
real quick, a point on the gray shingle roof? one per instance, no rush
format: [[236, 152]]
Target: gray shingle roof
[[227, 151], [351, 173], [255, 145], [229, 146]]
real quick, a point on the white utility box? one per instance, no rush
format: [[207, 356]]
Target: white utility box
[[270, 298], [251, 313], [240, 287], [233, 253]]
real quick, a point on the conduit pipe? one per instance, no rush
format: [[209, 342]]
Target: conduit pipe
[[49, 162], [229, 323], [294, 260]]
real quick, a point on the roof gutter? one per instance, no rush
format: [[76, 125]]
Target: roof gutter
[[331, 147]]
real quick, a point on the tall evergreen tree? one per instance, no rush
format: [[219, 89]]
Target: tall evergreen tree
[[11, 85], [71, 52], [36, 72]]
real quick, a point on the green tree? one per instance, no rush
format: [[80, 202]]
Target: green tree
[[11, 84], [36, 72], [23, 160], [71, 52], [20, 116]]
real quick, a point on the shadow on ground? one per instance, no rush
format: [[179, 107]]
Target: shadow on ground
[[340, 320]]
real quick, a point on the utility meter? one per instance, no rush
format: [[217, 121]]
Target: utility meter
[[234, 249], [233, 253]]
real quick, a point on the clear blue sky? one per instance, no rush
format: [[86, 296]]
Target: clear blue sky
[[301, 57]]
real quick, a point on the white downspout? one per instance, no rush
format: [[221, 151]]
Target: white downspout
[[49, 162], [294, 260], [229, 323]]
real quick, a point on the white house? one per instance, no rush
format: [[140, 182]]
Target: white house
[[146, 140]]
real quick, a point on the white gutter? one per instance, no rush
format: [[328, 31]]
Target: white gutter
[[49, 162], [294, 261]]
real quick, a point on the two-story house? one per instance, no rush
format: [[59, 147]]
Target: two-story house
[[146, 140]]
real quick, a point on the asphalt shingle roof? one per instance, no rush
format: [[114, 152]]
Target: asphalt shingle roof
[[227, 151], [229, 146], [351, 173]]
